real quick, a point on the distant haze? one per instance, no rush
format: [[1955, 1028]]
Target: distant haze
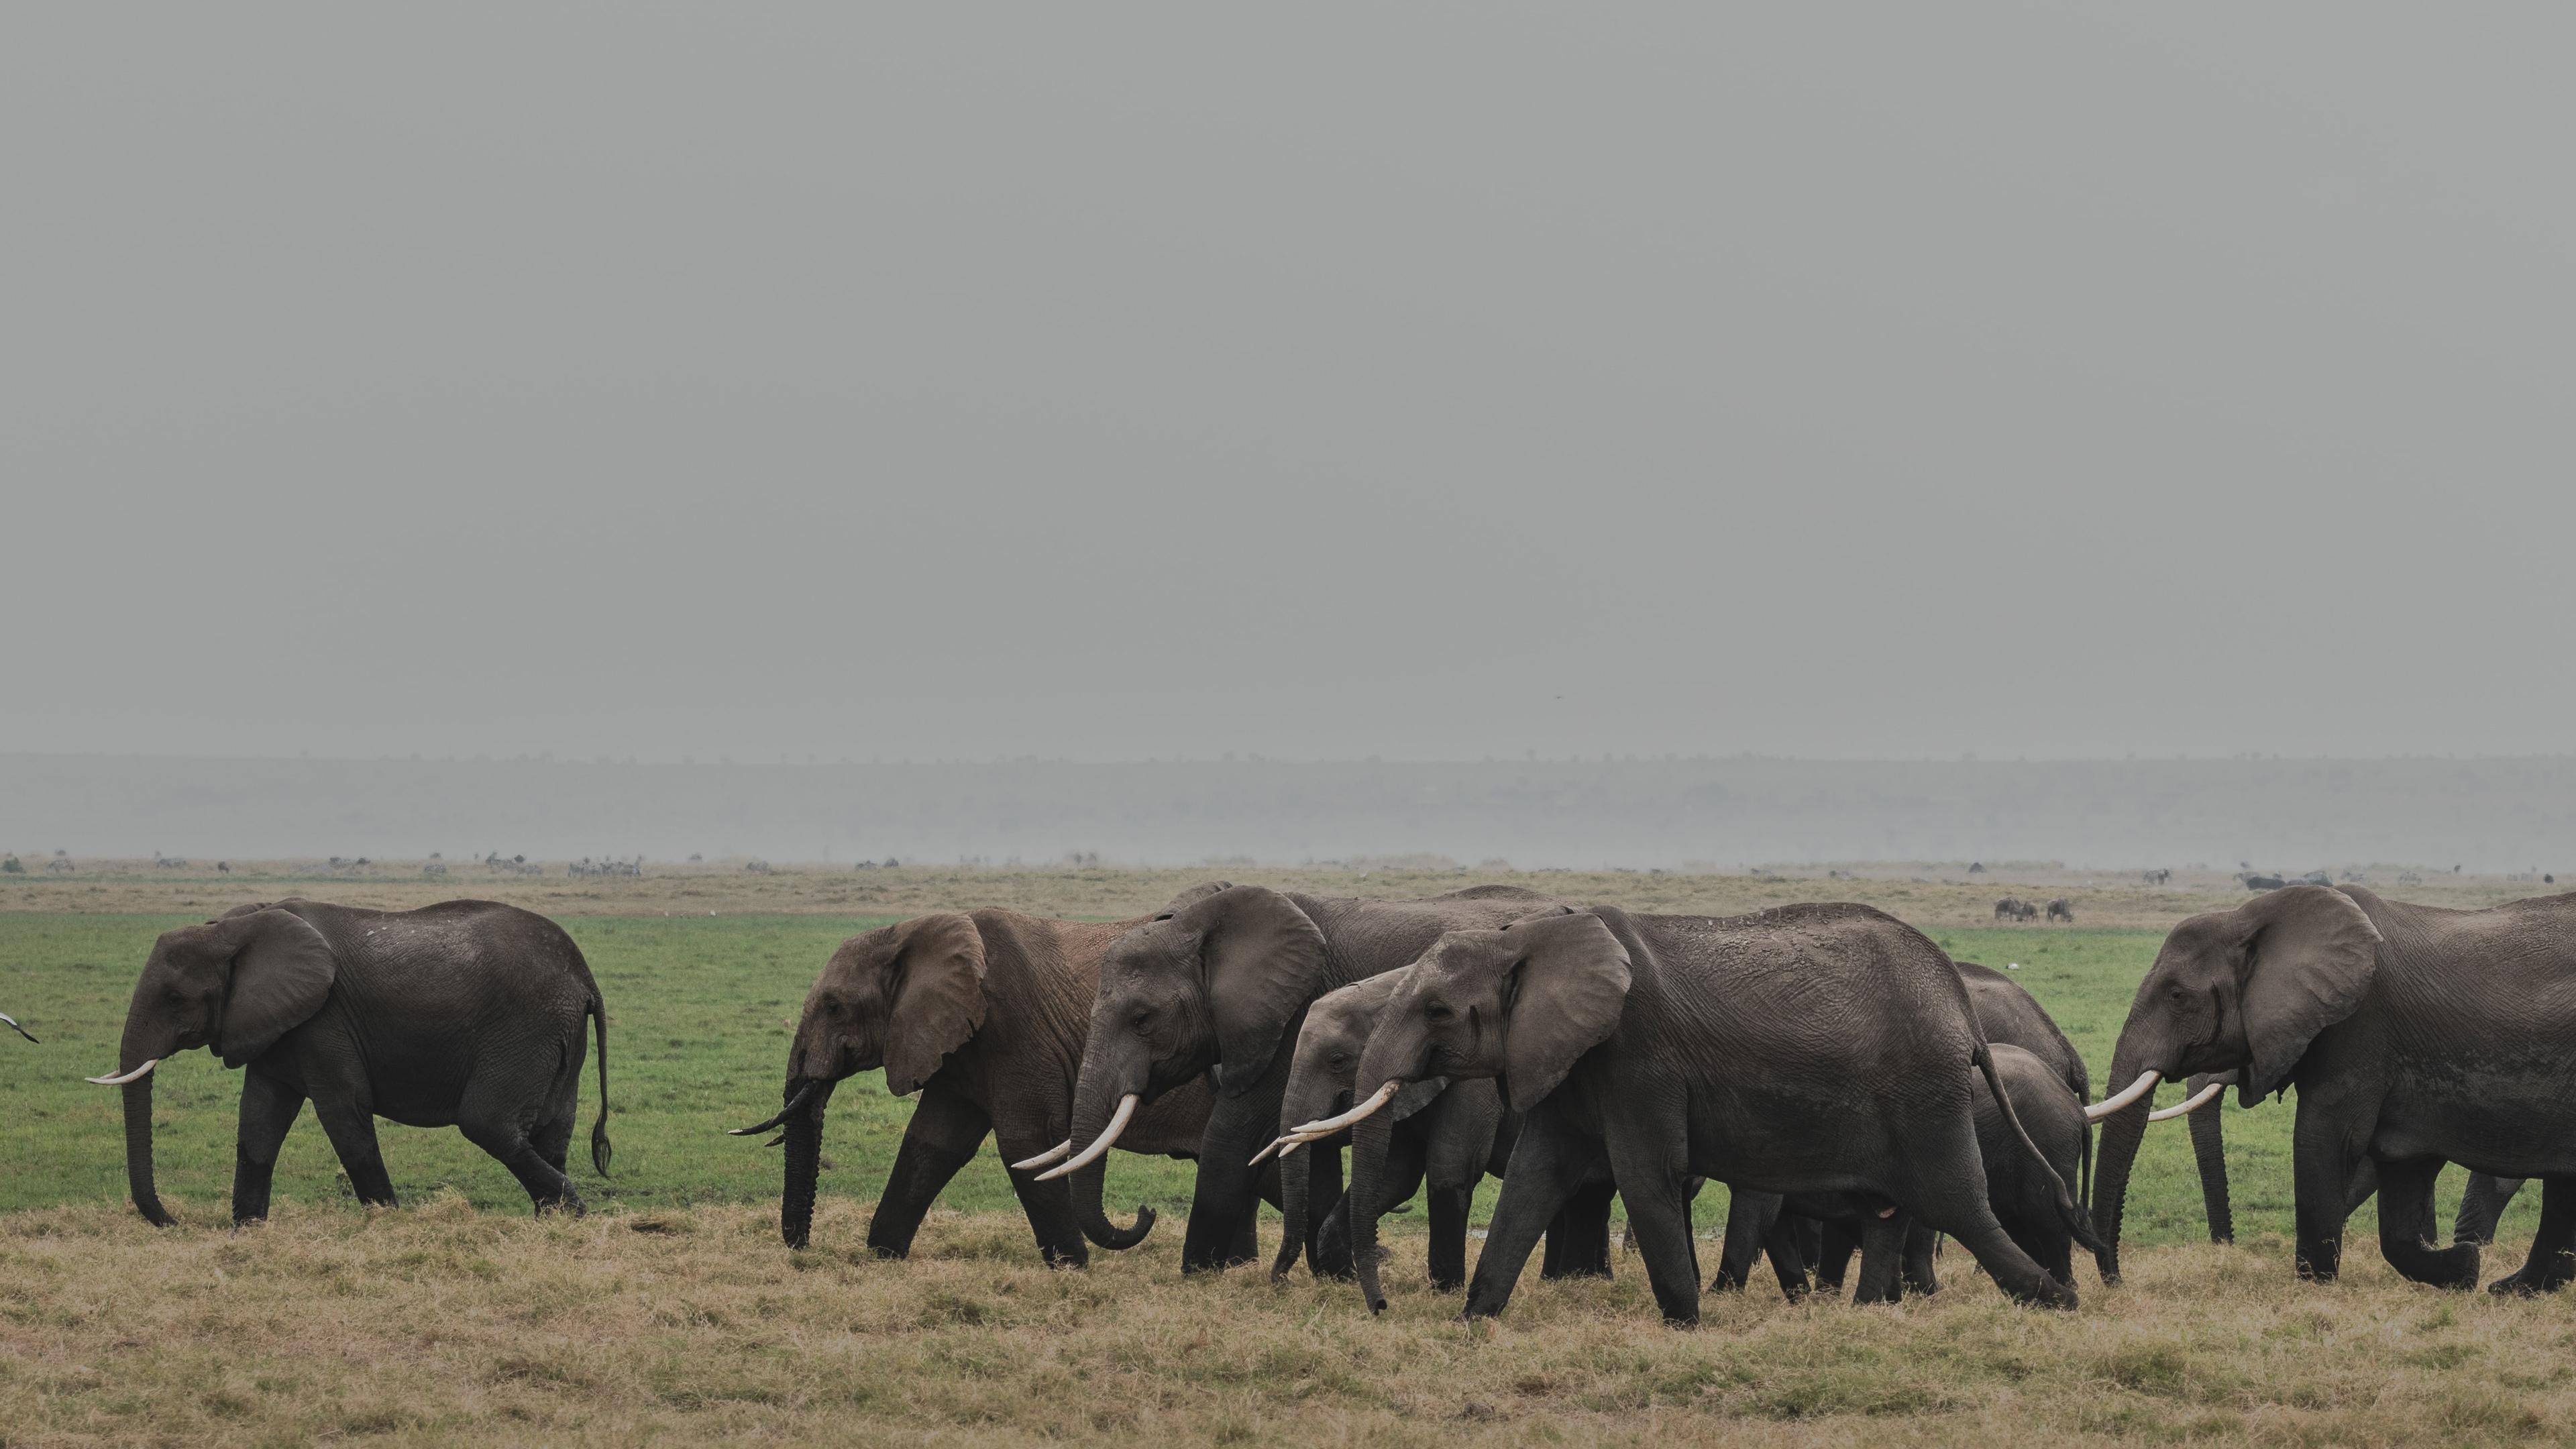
[[1443, 383], [2493, 816]]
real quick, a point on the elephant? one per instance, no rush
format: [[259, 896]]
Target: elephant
[[1810, 1049], [1223, 981], [982, 1012], [1446, 1139], [2415, 1036], [465, 1013], [2021, 1192], [2009, 1016]]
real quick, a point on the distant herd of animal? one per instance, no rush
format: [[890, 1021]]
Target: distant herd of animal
[[2014, 908], [1857, 1089]]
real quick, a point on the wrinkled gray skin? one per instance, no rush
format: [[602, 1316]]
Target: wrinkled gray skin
[[2023, 1196], [466, 1013], [2415, 1036], [983, 1013], [2008, 1015], [1223, 982], [1446, 1138], [1816, 1049]]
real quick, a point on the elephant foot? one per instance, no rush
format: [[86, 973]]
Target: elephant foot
[[2535, 1279]]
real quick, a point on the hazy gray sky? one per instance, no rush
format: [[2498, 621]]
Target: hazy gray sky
[[1429, 382]]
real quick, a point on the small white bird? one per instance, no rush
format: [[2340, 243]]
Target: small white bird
[[2012, 965], [14, 1026]]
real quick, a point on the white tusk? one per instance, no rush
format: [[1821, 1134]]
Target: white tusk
[[2145, 1084], [1061, 1149], [1108, 1136], [2198, 1100], [1330, 1125], [133, 1076]]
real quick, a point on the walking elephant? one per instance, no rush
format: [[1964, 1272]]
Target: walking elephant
[[1814, 1049], [983, 1013], [2415, 1037], [1447, 1137], [1223, 982], [467, 1013]]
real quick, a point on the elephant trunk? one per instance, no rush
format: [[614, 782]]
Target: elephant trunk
[[2209, 1148], [803, 1123], [138, 1150], [1296, 1178], [1097, 1092], [1370, 1138], [2122, 1132]]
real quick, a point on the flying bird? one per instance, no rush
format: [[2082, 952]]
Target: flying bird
[[14, 1026]]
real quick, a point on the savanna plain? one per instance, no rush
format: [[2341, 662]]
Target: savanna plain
[[672, 1313]]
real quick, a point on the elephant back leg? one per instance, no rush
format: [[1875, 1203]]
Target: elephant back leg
[[1578, 1238], [503, 1122], [2553, 1249], [1650, 1162], [2482, 1207], [1882, 1251], [1836, 1241], [2406, 1228], [348, 1118], [1944, 1183], [1749, 1216], [1915, 1267]]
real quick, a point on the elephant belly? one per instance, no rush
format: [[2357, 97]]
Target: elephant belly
[[1782, 1147], [2508, 1135]]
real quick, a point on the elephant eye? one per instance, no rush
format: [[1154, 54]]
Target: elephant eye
[[1438, 1011], [1143, 1018]]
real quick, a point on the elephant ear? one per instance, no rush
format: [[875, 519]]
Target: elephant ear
[[1263, 960], [935, 987], [1412, 1097], [1192, 897], [2309, 959], [1568, 985], [281, 974]]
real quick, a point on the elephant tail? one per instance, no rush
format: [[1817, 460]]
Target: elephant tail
[[598, 1013], [2079, 1222]]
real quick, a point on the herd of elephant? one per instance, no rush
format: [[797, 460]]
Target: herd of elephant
[[1855, 1088]]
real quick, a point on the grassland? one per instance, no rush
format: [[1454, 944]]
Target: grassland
[[673, 1311]]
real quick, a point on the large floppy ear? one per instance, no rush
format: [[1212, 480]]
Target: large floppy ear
[[935, 987], [2309, 958], [1569, 983], [1193, 896], [1263, 960], [281, 975]]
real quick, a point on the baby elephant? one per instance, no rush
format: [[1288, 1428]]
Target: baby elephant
[[1446, 1138], [466, 1013]]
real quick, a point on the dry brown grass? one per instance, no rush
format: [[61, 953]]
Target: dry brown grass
[[442, 1324], [1928, 896]]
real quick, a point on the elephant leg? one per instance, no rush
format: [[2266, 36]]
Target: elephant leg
[[1882, 1250], [1329, 1209], [1399, 1180], [2482, 1207], [1915, 1264], [351, 1126], [2323, 1161], [943, 1136], [2407, 1228], [1788, 1256], [1811, 1242], [1550, 1164], [2553, 1249], [1835, 1244], [1578, 1238], [1048, 1205], [507, 1140], [2209, 1152], [1224, 1201], [1749, 1219], [553, 1140], [1949, 1196], [268, 1109], [1449, 1209], [1652, 1168]]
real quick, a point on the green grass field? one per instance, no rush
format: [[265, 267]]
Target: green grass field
[[700, 1011]]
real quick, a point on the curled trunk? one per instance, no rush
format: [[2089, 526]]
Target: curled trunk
[[1370, 1138], [1093, 1101], [138, 1150], [804, 1130]]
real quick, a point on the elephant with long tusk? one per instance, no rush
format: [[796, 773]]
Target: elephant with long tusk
[[2413, 1036], [982, 1013], [467, 1013]]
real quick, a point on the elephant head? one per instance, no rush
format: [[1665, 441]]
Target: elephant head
[[902, 998], [236, 985], [1326, 1058], [2239, 993], [1522, 1003], [1215, 980]]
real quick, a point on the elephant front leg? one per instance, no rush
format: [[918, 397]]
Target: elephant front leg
[[942, 1137], [2553, 1249], [1225, 1200], [351, 1126], [1549, 1164], [1653, 1172], [2322, 1160], [1916, 1270], [1882, 1251], [268, 1109], [2406, 1228], [1450, 1207]]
